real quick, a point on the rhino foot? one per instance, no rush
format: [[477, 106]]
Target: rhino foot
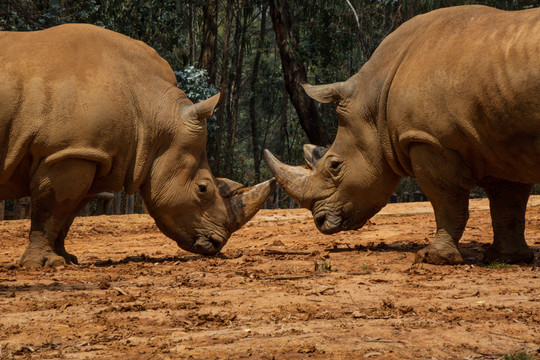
[[439, 254], [525, 255], [69, 258], [37, 260]]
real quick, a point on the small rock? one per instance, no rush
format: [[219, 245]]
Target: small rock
[[372, 354]]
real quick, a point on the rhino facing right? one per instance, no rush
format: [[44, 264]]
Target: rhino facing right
[[452, 98], [85, 110]]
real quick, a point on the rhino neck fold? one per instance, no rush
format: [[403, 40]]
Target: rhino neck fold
[[149, 137], [383, 74]]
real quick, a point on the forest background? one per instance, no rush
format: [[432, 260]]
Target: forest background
[[257, 53]]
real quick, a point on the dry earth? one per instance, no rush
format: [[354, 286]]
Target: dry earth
[[280, 289]]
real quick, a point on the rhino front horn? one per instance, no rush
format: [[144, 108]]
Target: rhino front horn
[[248, 201], [292, 179]]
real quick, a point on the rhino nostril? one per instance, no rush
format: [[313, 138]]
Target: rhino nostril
[[320, 219], [216, 242], [210, 245]]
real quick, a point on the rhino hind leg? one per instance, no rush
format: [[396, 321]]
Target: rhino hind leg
[[59, 247], [508, 203], [446, 182], [57, 193]]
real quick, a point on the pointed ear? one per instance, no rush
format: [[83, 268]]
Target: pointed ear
[[204, 109], [313, 153], [228, 188], [324, 93]]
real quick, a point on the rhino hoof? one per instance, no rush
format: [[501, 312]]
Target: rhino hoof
[[436, 256], [70, 259], [39, 261], [524, 256]]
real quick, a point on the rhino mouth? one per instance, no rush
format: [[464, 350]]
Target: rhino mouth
[[330, 223], [208, 245]]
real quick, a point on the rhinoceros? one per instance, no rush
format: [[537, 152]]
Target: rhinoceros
[[451, 98], [83, 110]]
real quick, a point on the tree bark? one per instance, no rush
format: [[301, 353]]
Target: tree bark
[[191, 37], [295, 74], [207, 59], [253, 99], [283, 134], [215, 150], [234, 84]]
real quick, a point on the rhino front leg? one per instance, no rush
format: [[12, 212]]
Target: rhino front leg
[[508, 203], [446, 181], [57, 191]]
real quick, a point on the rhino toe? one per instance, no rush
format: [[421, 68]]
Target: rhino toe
[[438, 256], [35, 260], [69, 258], [54, 260]]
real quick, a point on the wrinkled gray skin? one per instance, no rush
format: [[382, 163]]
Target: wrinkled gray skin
[[451, 98], [84, 110]]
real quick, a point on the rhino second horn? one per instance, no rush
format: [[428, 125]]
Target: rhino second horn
[[292, 179], [313, 153], [247, 202]]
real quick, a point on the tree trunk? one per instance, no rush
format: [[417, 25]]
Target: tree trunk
[[207, 59], [234, 84], [191, 38], [283, 134], [216, 149], [295, 74], [253, 99]]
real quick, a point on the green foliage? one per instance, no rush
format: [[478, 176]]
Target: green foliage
[[522, 355], [194, 83], [323, 265], [26, 15], [161, 24], [498, 265]]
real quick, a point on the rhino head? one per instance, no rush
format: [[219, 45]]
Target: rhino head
[[187, 202], [349, 182]]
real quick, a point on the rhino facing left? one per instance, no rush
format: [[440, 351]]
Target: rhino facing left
[[84, 110]]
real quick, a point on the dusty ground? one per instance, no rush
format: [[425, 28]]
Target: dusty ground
[[136, 295]]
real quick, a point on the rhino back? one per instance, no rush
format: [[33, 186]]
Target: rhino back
[[78, 91], [467, 79]]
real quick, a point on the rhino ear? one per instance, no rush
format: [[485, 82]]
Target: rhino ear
[[228, 188], [324, 93], [313, 153], [204, 109]]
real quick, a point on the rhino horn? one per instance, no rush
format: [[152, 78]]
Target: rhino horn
[[204, 109], [292, 179], [247, 201]]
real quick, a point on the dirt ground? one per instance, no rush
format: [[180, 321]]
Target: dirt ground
[[280, 289]]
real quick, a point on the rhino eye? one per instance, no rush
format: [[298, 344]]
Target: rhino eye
[[202, 188], [334, 165]]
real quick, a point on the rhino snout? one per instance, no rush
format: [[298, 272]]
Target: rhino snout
[[328, 223], [210, 245]]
